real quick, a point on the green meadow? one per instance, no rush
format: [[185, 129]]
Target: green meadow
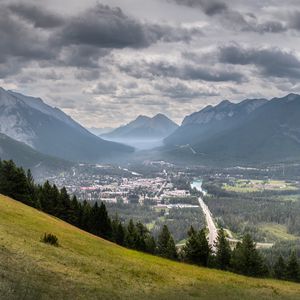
[[88, 267]]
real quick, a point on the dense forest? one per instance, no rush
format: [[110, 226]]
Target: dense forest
[[242, 212], [244, 259]]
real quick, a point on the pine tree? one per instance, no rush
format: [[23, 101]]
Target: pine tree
[[197, 249], [280, 268], [292, 269], [13, 182], [150, 244], [246, 259], [131, 235], [32, 190], [165, 244], [223, 253], [120, 234], [104, 222]]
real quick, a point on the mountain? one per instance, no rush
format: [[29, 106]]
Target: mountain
[[268, 134], [50, 131], [87, 267], [99, 131], [144, 127], [29, 158], [212, 120]]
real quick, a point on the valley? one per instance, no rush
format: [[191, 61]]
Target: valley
[[149, 150]]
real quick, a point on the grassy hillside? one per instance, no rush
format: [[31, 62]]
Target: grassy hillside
[[87, 267]]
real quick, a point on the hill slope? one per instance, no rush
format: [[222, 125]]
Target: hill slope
[[27, 157], [51, 131], [87, 267]]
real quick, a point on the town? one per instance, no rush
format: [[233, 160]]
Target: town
[[164, 188]]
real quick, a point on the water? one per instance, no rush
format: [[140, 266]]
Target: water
[[197, 184]]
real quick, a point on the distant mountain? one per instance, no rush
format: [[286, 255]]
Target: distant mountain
[[144, 127], [212, 120], [50, 131], [99, 131], [268, 134], [27, 157]]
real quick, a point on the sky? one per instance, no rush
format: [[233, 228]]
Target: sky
[[106, 62]]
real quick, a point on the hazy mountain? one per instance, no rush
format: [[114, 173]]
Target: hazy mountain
[[144, 127], [99, 131], [212, 120], [268, 134], [50, 131], [27, 157]]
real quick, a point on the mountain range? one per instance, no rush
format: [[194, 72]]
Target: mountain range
[[50, 131], [143, 127], [252, 131], [143, 132]]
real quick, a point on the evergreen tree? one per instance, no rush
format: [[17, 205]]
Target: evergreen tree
[[103, 222], [13, 182], [280, 268], [197, 249], [150, 244], [32, 190], [246, 259], [165, 244], [131, 235], [292, 269], [191, 231], [223, 253], [142, 233], [118, 232]]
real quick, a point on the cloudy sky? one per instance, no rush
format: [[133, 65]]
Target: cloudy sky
[[105, 62]]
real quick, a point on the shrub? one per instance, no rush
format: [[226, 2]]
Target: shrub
[[51, 239]]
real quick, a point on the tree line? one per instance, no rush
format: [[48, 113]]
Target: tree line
[[243, 259]]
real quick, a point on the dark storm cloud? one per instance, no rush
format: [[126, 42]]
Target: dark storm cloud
[[33, 33], [38, 16], [271, 26], [182, 92], [17, 40], [82, 56], [233, 18], [184, 71], [210, 7], [106, 27], [271, 62], [294, 20]]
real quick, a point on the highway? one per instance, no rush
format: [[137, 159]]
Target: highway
[[212, 229], [213, 232]]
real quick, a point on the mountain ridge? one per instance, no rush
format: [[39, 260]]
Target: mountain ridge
[[268, 134], [144, 127], [52, 132]]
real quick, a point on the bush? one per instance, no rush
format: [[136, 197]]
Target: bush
[[50, 239]]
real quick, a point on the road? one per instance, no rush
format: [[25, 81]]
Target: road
[[212, 229], [213, 232]]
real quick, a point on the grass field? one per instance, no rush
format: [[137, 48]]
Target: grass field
[[249, 186], [87, 267], [278, 231]]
